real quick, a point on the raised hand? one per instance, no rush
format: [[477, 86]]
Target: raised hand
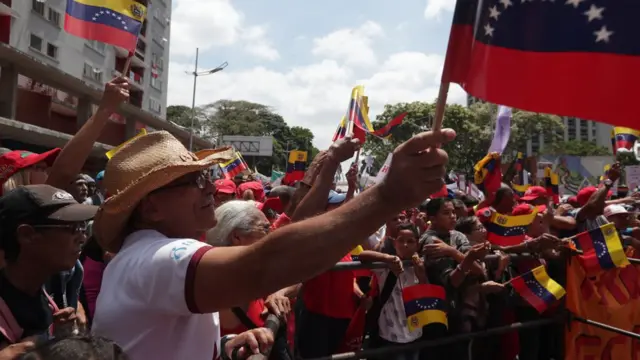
[[116, 92], [417, 169], [343, 149]]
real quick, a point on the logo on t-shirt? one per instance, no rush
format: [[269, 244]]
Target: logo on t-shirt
[[179, 251]]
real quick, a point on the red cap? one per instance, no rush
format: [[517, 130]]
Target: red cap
[[256, 188], [14, 161], [273, 203], [526, 209], [585, 194], [225, 186], [534, 193]]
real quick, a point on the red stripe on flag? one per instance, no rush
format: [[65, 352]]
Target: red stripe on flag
[[99, 32]]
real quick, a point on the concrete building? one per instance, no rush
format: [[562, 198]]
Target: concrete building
[[37, 26], [574, 129]]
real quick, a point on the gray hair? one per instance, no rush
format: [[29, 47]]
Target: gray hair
[[233, 215]]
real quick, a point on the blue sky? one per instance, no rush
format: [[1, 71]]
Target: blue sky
[[303, 57]]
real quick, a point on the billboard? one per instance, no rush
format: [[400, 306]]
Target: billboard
[[250, 145]]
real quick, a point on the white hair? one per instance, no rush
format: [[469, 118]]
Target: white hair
[[233, 215]]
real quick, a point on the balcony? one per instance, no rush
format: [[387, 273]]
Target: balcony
[[135, 61]]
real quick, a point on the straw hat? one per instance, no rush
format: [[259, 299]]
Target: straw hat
[[145, 164]]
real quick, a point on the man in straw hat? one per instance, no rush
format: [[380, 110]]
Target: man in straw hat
[[160, 293]]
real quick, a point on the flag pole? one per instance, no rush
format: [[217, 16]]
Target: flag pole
[[127, 65]]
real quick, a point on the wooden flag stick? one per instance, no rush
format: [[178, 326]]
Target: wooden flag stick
[[440, 106], [127, 65]]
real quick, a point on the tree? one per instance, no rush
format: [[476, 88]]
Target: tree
[[474, 127], [231, 117], [577, 148]]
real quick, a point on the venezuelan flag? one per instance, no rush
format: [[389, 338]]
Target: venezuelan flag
[[424, 304], [234, 166], [115, 22], [625, 138], [601, 250], [520, 186], [355, 252], [538, 289], [296, 167], [487, 173], [506, 230], [605, 173], [385, 131], [341, 131], [551, 181]]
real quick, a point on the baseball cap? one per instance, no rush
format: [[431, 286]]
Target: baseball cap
[[534, 193], [585, 194], [14, 161], [225, 186], [336, 198], [41, 203], [615, 210], [526, 209]]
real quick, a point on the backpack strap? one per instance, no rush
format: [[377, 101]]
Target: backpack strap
[[8, 325], [244, 319], [371, 320], [54, 309]]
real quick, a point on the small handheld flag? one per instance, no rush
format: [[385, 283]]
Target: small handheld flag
[[234, 166], [508, 230], [538, 289], [296, 166], [115, 22], [487, 173], [601, 250], [424, 304]]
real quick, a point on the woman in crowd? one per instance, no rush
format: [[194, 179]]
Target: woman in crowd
[[241, 223]]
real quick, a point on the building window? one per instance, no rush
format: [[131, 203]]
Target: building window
[[35, 42], [155, 105], [92, 73], [97, 46], [54, 17], [52, 51], [156, 83], [37, 6], [157, 60]]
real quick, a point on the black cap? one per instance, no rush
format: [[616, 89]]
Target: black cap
[[41, 203]]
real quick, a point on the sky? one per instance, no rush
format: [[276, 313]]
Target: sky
[[303, 57]]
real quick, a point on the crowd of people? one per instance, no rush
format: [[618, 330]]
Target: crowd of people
[[153, 258]]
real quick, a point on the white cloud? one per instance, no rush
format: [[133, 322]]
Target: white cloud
[[210, 23], [353, 46], [316, 95], [436, 7]]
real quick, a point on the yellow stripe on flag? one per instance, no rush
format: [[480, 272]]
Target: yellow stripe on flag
[[130, 8], [616, 252], [357, 250], [540, 273], [510, 221], [113, 151], [427, 317]]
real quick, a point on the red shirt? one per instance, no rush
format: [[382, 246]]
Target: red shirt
[[331, 293], [282, 220]]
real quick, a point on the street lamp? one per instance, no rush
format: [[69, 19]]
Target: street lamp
[[195, 74]]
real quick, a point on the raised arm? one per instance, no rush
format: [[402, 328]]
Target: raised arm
[[301, 250], [74, 154]]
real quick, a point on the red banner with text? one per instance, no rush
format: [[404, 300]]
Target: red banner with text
[[612, 298]]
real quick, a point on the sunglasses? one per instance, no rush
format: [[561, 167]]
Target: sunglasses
[[78, 228]]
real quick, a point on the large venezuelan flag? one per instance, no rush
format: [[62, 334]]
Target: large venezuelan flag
[[601, 250], [424, 304], [115, 22], [507, 230], [624, 138], [538, 289]]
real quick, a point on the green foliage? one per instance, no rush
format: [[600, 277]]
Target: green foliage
[[231, 117], [474, 127], [577, 148], [627, 158]]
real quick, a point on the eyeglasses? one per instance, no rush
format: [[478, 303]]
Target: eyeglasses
[[201, 181], [263, 228], [78, 228]]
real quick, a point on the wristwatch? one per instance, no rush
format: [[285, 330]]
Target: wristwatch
[[608, 183], [223, 351]]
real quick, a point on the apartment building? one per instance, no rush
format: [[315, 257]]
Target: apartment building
[[36, 28], [574, 129]]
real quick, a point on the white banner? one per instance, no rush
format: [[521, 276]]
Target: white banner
[[633, 176]]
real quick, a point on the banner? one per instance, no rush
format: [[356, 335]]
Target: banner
[[612, 298]]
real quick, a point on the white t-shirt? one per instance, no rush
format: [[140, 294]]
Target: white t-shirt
[[393, 319], [145, 300]]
